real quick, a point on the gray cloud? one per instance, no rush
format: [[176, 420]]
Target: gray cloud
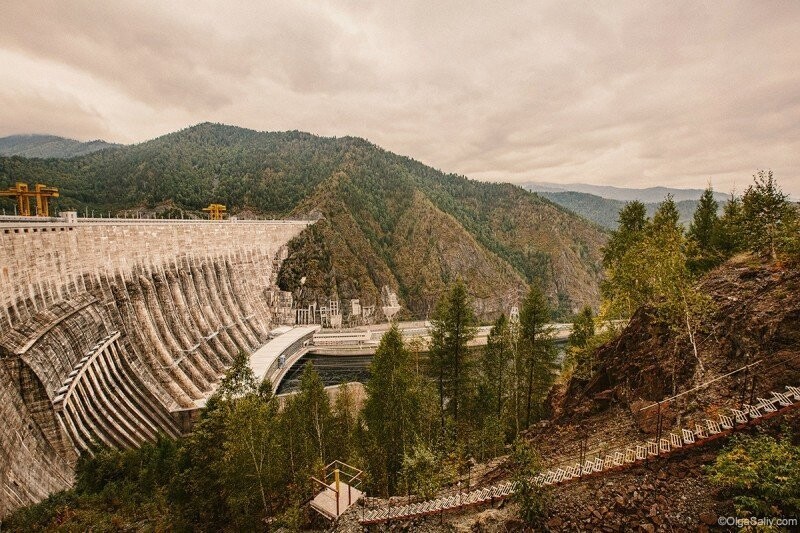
[[621, 93]]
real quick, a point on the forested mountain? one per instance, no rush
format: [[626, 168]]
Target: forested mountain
[[623, 194], [46, 146], [605, 211], [387, 219]]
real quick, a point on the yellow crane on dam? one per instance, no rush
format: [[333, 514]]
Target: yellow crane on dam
[[23, 195], [215, 211]]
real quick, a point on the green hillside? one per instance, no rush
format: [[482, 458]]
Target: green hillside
[[48, 146], [387, 219], [605, 211]]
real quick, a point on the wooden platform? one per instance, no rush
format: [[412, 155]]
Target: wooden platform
[[325, 501]]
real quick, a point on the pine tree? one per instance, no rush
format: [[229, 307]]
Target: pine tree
[[392, 410], [533, 500], [704, 223], [768, 216], [729, 237], [701, 246], [306, 428], [315, 405], [453, 327], [577, 344], [538, 354], [495, 363], [344, 424], [582, 328], [667, 217], [631, 231], [632, 221]]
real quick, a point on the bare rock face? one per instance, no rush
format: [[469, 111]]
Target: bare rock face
[[648, 415], [417, 238], [489, 521]]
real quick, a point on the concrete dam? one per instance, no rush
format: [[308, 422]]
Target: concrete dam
[[112, 330]]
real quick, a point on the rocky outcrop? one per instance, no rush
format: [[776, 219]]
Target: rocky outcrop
[[754, 319]]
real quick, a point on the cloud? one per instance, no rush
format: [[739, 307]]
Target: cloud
[[619, 93]]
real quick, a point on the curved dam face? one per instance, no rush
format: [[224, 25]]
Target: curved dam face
[[111, 330]]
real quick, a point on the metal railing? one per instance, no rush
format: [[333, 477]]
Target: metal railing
[[710, 429]]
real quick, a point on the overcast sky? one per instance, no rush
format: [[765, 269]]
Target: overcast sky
[[623, 93]]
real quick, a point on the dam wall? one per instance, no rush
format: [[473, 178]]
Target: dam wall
[[109, 329]]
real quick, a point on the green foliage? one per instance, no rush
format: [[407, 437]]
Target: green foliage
[[648, 266], [496, 365], [537, 357], [761, 474], [729, 238], [580, 346], [762, 221], [250, 469], [307, 429], [422, 473], [453, 326], [653, 272], [769, 221], [582, 328], [666, 216], [239, 379], [534, 501], [703, 236], [632, 221], [391, 411], [703, 226], [345, 421], [112, 488]]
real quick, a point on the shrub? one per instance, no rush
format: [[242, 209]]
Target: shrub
[[761, 475]]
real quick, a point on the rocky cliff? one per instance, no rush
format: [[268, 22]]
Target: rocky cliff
[[754, 320]]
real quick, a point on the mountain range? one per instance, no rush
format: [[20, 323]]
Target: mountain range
[[601, 203], [605, 211], [385, 219], [48, 146], [622, 194]]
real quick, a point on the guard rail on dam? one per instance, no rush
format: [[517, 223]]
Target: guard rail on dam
[[110, 327]]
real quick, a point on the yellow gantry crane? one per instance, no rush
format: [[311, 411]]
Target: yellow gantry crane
[[215, 211], [23, 195]]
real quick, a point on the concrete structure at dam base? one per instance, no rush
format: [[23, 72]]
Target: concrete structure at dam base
[[112, 329]]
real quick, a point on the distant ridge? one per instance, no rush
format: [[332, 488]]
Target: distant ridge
[[623, 194], [49, 146], [605, 211]]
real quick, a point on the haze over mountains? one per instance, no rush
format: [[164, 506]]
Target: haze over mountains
[[46, 146], [601, 203], [388, 220], [623, 194]]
